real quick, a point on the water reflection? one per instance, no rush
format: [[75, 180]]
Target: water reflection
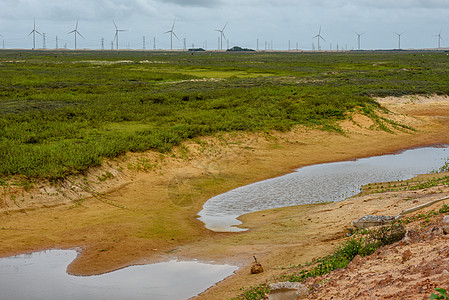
[[318, 183], [42, 275]]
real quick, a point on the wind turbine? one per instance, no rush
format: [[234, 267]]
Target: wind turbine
[[399, 37], [318, 37], [222, 35], [358, 38], [116, 33], [439, 38], [172, 33], [76, 32], [33, 32]]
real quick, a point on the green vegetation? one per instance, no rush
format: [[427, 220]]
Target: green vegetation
[[363, 243], [442, 294], [63, 112], [408, 185]]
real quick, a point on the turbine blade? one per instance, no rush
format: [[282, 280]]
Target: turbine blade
[[175, 35], [76, 27], [38, 32], [224, 35], [31, 33], [115, 24], [173, 26], [71, 31], [80, 34], [225, 26], [167, 31]]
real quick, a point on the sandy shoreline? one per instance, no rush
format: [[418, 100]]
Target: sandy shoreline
[[145, 211]]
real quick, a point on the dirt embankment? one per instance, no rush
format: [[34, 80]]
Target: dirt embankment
[[410, 269], [142, 208]]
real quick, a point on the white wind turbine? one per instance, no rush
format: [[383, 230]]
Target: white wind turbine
[[358, 38], [222, 35], [116, 33], [399, 38], [318, 37], [76, 32], [172, 33], [33, 32], [439, 38]]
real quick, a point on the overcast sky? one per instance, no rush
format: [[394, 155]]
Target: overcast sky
[[269, 21]]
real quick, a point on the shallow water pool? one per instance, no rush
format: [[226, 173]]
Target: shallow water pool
[[42, 275], [318, 183]]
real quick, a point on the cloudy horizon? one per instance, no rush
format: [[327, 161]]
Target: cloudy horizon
[[275, 21]]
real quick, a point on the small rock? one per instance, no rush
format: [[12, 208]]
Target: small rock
[[434, 232], [406, 256], [287, 291], [446, 224], [256, 267], [371, 220], [411, 236]]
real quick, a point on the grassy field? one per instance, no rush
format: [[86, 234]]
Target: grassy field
[[63, 112]]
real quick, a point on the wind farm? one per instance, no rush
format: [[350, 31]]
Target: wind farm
[[320, 43]]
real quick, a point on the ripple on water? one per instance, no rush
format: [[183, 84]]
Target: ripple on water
[[318, 183], [42, 275]]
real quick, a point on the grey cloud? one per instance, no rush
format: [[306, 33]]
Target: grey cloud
[[403, 4], [381, 4], [195, 3]]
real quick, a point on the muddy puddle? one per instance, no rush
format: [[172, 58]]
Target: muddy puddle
[[42, 275], [318, 183]]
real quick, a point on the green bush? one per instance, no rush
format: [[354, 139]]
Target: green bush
[[442, 294]]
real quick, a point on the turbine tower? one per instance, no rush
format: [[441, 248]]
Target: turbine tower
[[399, 38], [172, 33], [318, 37], [358, 38], [116, 33], [76, 32], [222, 35], [439, 38], [33, 32]]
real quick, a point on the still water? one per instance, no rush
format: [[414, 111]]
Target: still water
[[318, 183], [42, 275]]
